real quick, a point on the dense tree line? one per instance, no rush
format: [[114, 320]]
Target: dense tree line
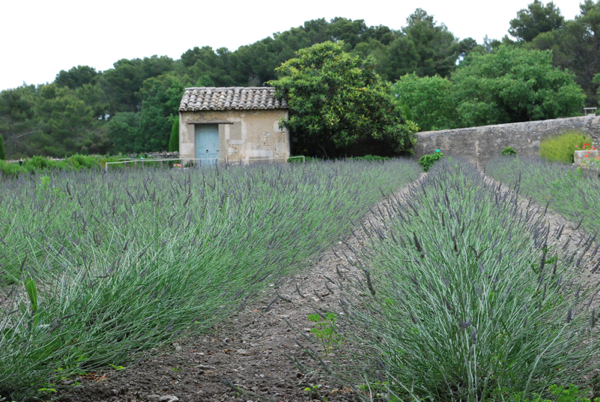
[[132, 106], [575, 44], [509, 85]]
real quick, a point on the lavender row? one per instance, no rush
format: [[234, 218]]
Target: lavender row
[[462, 296], [98, 269]]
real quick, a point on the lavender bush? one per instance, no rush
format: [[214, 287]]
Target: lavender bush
[[99, 268], [463, 298]]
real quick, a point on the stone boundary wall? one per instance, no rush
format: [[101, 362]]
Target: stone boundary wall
[[480, 144]]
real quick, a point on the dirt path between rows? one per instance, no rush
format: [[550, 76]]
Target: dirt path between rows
[[253, 351]]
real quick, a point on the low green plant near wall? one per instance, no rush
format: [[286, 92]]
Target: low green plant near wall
[[562, 148], [508, 151], [427, 161]]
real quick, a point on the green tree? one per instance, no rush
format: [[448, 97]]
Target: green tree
[[576, 47], [513, 85], [123, 129], [150, 129], [76, 77], [122, 84], [2, 153], [95, 98], [536, 19], [161, 98], [429, 100], [399, 58], [66, 119], [337, 101], [596, 81], [174, 140], [437, 47], [18, 126], [205, 62]]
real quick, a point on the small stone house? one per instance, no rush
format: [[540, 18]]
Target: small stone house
[[237, 124]]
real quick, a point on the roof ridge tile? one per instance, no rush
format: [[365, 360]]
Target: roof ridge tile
[[230, 98]]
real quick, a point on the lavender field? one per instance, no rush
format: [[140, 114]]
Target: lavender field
[[571, 191], [464, 294], [455, 289], [97, 269]]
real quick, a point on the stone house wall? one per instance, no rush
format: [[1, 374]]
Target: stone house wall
[[254, 135]]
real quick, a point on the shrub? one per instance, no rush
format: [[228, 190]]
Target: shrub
[[427, 161], [82, 161], [41, 163], [11, 169], [337, 101], [508, 151], [2, 153], [37, 162], [299, 160], [561, 148], [370, 158]]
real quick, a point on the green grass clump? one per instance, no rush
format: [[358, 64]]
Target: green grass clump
[[462, 299], [126, 261], [562, 148]]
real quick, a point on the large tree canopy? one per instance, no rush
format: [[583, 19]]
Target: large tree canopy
[[509, 85], [576, 47], [427, 101], [438, 48], [514, 85], [536, 19], [76, 77], [337, 101]]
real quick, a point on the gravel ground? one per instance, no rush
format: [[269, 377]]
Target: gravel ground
[[251, 357]]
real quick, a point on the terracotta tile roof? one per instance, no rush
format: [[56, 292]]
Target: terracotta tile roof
[[233, 98]]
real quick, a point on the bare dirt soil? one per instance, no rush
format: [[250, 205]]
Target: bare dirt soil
[[253, 353], [251, 357]]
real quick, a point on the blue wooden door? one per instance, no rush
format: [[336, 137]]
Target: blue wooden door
[[207, 143]]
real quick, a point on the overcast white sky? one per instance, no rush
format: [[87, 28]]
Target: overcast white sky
[[38, 38]]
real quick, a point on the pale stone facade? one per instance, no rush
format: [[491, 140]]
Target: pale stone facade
[[254, 135], [247, 119]]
